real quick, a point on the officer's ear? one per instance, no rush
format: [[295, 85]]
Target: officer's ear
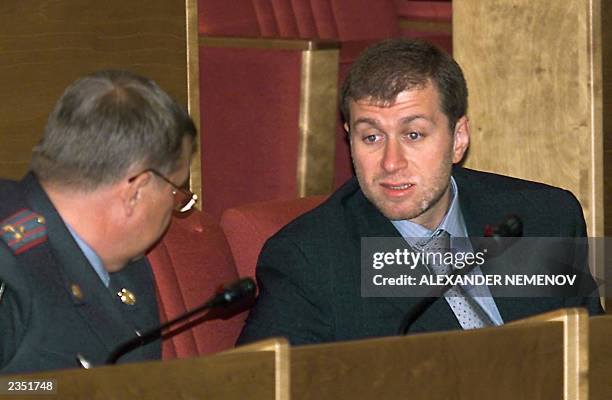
[[132, 192]]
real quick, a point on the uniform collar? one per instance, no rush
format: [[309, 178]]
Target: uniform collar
[[91, 256]]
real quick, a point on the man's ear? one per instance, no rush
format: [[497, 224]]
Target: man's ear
[[131, 192], [461, 139], [349, 137]]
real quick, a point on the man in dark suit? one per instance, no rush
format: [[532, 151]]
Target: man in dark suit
[[102, 186], [405, 104]]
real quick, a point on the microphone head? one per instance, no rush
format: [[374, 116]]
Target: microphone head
[[512, 226], [237, 290], [501, 236]]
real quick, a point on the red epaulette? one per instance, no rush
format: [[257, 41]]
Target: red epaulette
[[23, 230]]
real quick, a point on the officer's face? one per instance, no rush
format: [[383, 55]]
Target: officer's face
[[403, 155], [160, 201]]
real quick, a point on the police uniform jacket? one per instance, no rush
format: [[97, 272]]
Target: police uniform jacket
[[53, 305]]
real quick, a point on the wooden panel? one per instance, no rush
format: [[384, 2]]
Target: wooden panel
[[600, 358], [193, 93], [513, 362], [606, 40], [281, 349], [47, 44], [606, 24], [318, 118], [576, 354], [534, 72], [224, 377]]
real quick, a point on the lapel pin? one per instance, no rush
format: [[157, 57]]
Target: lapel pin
[[76, 291], [127, 297]]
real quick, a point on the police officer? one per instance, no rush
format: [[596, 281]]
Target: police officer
[[102, 186]]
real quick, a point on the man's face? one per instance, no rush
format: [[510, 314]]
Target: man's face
[[403, 154], [159, 201]]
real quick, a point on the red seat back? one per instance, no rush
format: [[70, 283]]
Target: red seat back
[[191, 262], [247, 227], [304, 19]]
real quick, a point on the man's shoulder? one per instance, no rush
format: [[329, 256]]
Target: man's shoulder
[[13, 195], [544, 209], [330, 213], [8, 188], [469, 179]]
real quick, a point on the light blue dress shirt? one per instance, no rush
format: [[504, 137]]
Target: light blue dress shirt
[[92, 257], [454, 224]]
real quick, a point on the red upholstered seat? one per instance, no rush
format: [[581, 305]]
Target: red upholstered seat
[[303, 19], [249, 106], [247, 227], [191, 262], [250, 97]]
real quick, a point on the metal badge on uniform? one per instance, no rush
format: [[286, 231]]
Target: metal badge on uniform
[[23, 230], [76, 291], [127, 297]]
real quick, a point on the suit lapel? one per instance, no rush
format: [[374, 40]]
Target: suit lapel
[[480, 207], [92, 300], [475, 203]]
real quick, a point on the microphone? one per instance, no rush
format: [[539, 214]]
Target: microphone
[[511, 227], [230, 294], [499, 235]]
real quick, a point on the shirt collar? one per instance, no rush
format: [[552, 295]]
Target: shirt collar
[[92, 257]]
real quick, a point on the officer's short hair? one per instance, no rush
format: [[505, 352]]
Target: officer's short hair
[[104, 124], [390, 67]]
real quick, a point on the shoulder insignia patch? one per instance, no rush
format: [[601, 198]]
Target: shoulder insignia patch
[[23, 230]]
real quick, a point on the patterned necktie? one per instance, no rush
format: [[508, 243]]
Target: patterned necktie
[[468, 313]]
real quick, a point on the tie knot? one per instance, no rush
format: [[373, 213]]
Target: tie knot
[[439, 242]]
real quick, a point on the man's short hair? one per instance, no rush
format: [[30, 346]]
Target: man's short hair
[[106, 123], [388, 68]]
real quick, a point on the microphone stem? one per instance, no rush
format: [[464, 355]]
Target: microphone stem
[[153, 334], [232, 293]]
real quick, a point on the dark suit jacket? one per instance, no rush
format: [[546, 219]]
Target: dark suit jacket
[[43, 325], [309, 272]]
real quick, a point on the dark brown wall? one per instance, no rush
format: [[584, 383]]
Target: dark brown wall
[[45, 45]]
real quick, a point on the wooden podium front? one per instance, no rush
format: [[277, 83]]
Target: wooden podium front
[[517, 361], [559, 355], [600, 358]]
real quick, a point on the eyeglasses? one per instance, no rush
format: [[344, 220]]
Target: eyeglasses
[[184, 199]]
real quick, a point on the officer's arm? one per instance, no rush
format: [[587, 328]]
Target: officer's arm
[[14, 306]]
